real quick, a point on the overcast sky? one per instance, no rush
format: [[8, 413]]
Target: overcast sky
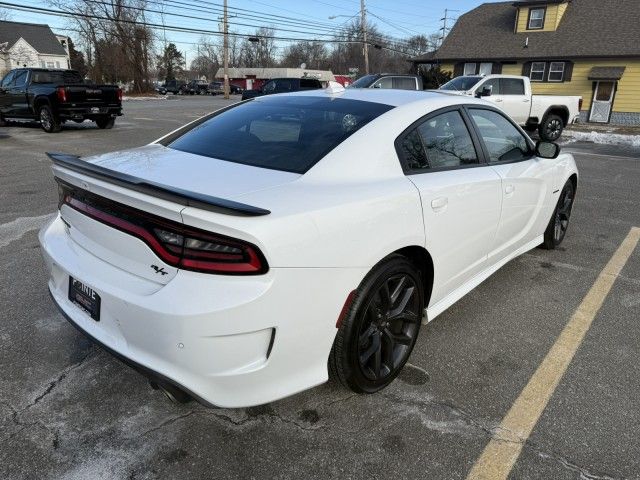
[[398, 18]]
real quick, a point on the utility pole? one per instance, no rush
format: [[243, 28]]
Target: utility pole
[[225, 48], [365, 45], [444, 23]]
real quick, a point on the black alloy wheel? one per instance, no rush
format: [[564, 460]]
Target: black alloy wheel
[[559, 223], [380, 329], [551, 128]]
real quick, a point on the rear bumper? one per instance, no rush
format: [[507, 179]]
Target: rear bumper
[[227, 341], [88, 112]]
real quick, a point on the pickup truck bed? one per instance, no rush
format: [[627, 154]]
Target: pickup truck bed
[[549, 114], [53, 97]]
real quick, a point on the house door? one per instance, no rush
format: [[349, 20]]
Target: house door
[[602, 101]]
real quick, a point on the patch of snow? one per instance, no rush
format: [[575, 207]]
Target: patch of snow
[[603, 138], [144, 99], [14, 230]]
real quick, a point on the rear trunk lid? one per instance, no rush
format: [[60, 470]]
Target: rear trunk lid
[[153, 164]]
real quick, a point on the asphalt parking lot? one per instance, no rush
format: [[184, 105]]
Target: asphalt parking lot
[[68, 410]]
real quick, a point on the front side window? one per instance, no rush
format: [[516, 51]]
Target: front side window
[[503, 140], [556, 71], [512, 86], [269, 87], [20, 80], [469, 69], [446, 142], [536, 18], [537, 71], [278, 132], [384, 82], [492, 84]]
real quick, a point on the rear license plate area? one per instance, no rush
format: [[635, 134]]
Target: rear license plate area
[[85, 298]]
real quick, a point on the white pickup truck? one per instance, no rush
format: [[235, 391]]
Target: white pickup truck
[[549, 114]]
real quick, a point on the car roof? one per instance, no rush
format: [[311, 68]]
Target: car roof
[[392, 97]]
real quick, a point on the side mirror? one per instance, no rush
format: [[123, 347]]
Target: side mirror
[[547, 149], [485, 92], [377, 85]]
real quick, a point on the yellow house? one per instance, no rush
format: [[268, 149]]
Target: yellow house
[[589, 48]]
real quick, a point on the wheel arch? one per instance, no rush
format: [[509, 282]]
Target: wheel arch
[[421, 258], [560, 110]]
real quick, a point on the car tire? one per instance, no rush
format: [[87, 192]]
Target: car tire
[[3, 122], [48, 120], [551, 128], [559, 223], [378, 331], [105, 123]]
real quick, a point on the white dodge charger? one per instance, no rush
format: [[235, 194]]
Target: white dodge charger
[[242, 257]]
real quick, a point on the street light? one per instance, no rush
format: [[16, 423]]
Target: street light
[[363, 27]]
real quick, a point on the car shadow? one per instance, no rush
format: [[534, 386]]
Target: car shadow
[[28, 124]]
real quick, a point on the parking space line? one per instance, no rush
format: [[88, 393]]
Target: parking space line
[[500, 454]]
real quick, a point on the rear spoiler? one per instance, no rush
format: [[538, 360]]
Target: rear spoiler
[[176, 195]]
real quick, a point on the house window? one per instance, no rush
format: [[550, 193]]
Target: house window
[[537, 71], [536, 18], [469, 68], [485, 68], [556, 72], [43, 64], [50, 64], [57, 64]]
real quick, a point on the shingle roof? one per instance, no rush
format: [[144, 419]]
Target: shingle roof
[[39, 36], [589, 28]]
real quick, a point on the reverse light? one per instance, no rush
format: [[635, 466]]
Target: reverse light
[[175, 243], [119, 94], [61, 93]]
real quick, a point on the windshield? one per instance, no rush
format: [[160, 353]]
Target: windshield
[[461, 83], [289, 133], [363, 82]]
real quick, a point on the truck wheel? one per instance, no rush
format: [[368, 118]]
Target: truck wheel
[[3, 122], [48, 120], [105, 122], [551, 128]]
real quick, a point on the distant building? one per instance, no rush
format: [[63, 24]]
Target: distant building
[[589, 48], [252, 78], [31, 45]]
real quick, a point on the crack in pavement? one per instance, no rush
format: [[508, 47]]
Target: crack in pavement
[[495, 432]]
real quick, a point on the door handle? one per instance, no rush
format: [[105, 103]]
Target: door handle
[[526, 100], [439, 204], [509, 189], [498, 100]]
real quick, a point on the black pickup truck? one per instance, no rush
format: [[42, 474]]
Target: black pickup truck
[[283, 85], [53, 97]]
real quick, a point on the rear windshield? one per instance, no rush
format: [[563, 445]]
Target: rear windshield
[[289, 133], [461, 84], [60, 78]]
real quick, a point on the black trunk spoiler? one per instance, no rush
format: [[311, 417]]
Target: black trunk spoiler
[[176, 195]]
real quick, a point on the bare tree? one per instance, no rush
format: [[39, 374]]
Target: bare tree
[[260, 50], [313, 54], [119, 42], [5, 14]]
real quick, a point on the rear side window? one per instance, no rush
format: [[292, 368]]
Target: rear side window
[[503, 140], [60, 78], [512, 86], [384, 82], [404, 83], [442, 141], [281, 133]]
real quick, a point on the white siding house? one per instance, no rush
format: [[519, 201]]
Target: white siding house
[[31, 45]]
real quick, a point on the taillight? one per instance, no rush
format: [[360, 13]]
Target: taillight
[[119, 94], [61, 92], [176, 244]]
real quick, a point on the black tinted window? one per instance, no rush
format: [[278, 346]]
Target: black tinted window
[[503, 140], [404, 83], [282, 133], [60, 78], [446, 142], [309, 83], [363, 82], [512, 86]]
